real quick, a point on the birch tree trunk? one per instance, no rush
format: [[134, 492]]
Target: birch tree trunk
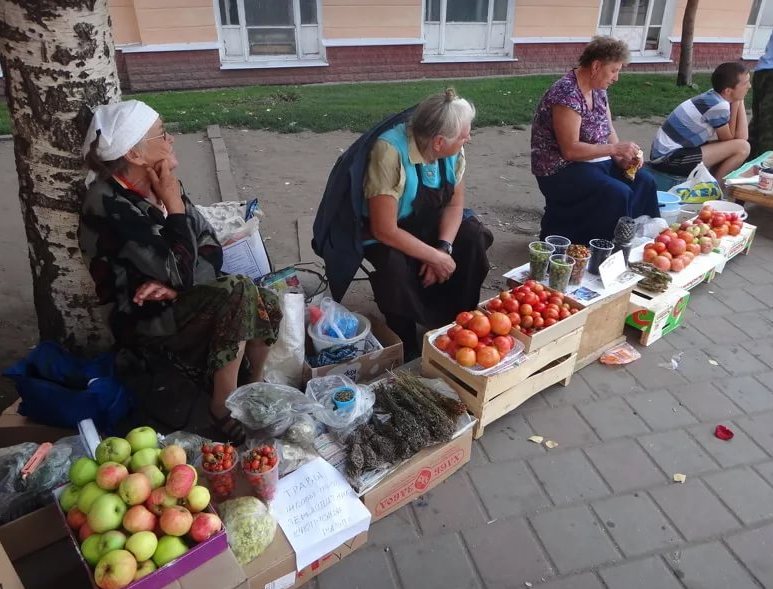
[[684, 75], [58, 60]]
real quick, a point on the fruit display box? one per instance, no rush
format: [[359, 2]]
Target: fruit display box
[[657, 315], [702, 269], [490, 397], [167, 574], [730, 246]]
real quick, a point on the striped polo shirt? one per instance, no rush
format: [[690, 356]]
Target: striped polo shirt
[[691, 124]]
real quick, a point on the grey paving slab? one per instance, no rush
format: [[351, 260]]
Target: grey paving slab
[[676, 452], [649, 573], [722, 331], [750, 271], [754, 548], [507, 554], [366, 568], [761, 292], [762, 349], [624, 465], [636, 524], [709, 566], [760, 428], [562, 424], [696, 366], [650, 373], [740, 301], [685, 336], [707, 305], [608, 381], [728, 278], [437, 511], [765, 470], [706, 402], [612, 418], [753, 324], [533, 403], [507, 488], [694, 509], [748, 392], [581, 581], [508, 438], [438, 561], [573, 538], [740, 450], [478, 456], [578, 391], [568, 477], [735, 359], [745, 492], [395, 528], [660, 410]]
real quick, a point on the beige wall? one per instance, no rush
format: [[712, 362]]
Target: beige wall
[[556, 18], [173, 21], [125, 29], [716, 18], [354, 19]]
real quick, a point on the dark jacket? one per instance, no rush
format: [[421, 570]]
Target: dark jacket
[[338, 224]]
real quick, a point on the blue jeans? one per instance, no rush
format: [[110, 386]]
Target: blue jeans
[[584, 200]]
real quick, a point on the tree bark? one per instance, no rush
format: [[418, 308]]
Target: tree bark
[[58, 59], [684, 75]]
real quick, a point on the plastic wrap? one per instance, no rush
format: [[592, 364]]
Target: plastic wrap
[[189, 442], [336, 321], [268, 409], [293, 456], [648, 228], [303, 431], [321, 391], [249, 525], [284, 363]]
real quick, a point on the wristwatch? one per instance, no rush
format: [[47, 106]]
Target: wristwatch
[[445, 246]]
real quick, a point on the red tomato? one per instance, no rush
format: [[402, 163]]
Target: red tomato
[[539, 322], [463, 318], [525, 309], [488, 357], [456, 328], [550, 321], [503, 343], [486, 340], [515, 318], [505, 294], [650, 254], [574, 310], [552, 313], [500, 324], [511, 305], [451, 349], [539, 307], [442, 342], [659, 247], [466, 338], [734, 230], [531, 299], [520, 296], [564, 313], [531, 283], [556, 300], [543, 296], [480, 325], [538, 287], [466, 356], [526, 322], [495, 304]]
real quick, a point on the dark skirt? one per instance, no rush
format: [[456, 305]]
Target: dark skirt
[[212, 320]]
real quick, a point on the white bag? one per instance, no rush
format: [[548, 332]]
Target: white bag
[[699, 187], [284, 363]]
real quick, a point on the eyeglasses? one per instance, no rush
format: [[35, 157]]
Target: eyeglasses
[[164, 136]]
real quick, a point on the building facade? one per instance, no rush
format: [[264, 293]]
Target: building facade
[[179, 44]]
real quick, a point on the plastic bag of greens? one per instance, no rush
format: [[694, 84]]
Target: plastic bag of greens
[[249, 525], [268, 409]]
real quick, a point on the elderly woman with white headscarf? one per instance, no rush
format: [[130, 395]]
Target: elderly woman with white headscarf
[[156, 261]]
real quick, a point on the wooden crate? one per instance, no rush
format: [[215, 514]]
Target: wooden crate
[[604, 327], [490, 397]]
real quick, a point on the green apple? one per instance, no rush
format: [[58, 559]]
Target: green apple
[[90, 549], [88, 495], [169, 548], [113, 450], [115, 569], [141, 438], [197, 499], [144, 457], [157, 478], [69, 497], [144, 569], [83, 470], [112, 540], [142, 545], [106, 513]]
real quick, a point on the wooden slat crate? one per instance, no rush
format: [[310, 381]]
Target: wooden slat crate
[[490, 397]]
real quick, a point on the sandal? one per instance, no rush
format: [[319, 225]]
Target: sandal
[[228, 428]]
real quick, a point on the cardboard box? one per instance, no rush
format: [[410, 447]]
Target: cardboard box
[[275, 568], [730, 247], [656, 316], [15, 429], [426, 470], [368, 366]]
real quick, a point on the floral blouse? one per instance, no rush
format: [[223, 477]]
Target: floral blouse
[[546, 157]]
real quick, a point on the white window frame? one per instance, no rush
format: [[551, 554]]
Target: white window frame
[[472, 54], [245, 59], [751, 31], [664, 45]]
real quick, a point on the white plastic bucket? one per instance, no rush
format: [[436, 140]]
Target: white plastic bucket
[[725, 206], [322, 342]]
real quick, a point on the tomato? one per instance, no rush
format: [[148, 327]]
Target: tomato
[[500, 324], [480, 346], [481, 326], [466, 338], [456, 328], [574, 310], [706, 213], [552, 313], [451, 349], [677, 265], [463, 318], [218, 449], [486, 340], [531, 283], [503, 343], [539, 322], [488, 357], [543, 296], [531, 299], [495, 304], [505, 294], [556, 300], [526, 309], [734, 230], [650, 255], [511, 305], [515, 318], [526, 321], [520, 296], [564, 313], [539, 307], [538, 287], [466, 356], [550, 321], [662, 263], [442, 342]]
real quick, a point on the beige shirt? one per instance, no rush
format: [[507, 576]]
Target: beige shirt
[[386, 174]]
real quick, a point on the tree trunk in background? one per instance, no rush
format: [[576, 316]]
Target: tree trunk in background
[[58, 59], [684, 75]]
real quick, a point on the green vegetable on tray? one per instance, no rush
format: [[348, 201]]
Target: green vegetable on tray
[[249, 525]]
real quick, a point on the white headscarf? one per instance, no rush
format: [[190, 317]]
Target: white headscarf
[[121, 125]]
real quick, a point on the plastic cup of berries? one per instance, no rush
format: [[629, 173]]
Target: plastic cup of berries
[[261, 467], [218, 463]]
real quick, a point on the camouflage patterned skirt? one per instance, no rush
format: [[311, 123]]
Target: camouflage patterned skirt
[[212, 319]]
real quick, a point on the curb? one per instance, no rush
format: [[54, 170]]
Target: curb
[[225, 179]]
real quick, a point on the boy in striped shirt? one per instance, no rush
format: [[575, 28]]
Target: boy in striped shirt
[[711, 128]]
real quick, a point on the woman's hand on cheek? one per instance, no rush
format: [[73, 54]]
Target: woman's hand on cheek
[[166, 186]]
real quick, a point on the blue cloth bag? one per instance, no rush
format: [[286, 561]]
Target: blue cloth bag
[[60, 389]]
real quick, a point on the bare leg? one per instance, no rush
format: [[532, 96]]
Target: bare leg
[[722, 157], [225, 382], [256, 351]]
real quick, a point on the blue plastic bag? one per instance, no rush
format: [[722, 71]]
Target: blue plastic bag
[[60, 389]]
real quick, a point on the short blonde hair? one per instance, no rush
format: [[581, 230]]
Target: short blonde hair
[[443, 114], [606, 50]]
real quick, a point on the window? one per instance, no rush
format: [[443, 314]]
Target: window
[[758, 28], [269, 30], [638, 22], [468, 27]]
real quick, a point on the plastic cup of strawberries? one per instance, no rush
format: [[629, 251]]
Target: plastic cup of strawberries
[[261, 467], [218, 462]]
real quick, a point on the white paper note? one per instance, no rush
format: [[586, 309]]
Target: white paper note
[[611, 268], [246, 256], [318, 511]]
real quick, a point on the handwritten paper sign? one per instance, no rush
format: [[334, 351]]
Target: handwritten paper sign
[[611, 269], [246, 256], [318, 511]]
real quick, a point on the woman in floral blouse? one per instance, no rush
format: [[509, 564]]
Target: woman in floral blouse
[[156, 261], [577, 157]]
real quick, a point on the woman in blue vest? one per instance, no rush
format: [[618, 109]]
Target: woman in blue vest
[[430, 258]]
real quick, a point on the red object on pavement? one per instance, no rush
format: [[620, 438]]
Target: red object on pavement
[[723, 433]]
